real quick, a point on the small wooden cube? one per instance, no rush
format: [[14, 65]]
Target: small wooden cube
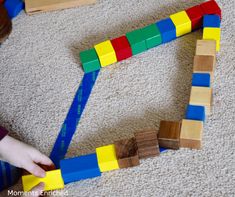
[[201, 96], [191, 134], [147, 143], [127, 153], [212, 33], [169, 134], [206, 47]]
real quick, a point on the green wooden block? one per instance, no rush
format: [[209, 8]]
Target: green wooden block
[[90, 60], [152, 36], [137, 41]]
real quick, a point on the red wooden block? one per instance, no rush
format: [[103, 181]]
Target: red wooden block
[[122, 48], [211, 7], [196, 16]]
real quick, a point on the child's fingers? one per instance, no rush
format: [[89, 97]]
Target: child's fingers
[[37, 190], [38, 157], [34, 169]]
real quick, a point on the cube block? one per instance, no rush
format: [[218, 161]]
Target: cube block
[[14, 7], [195, 112], [78, 168], [211, 21], [201, 79], [167, 30], [210, 33], [122, 48], [53, 180], [106, 53], [211, 7], [182, 23], [195, 14], [107, 159], [191, 134], [152, 36], [169, 134], [206, 47], [127, 153], [90, 60]]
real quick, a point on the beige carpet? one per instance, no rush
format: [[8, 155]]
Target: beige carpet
[[41, 71]]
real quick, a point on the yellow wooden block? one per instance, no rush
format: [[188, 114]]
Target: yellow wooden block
[[211, 33], [201, 96], [53, 180], [106, 53], [182, 23], [206, 47], [107, 159], [191, 134]]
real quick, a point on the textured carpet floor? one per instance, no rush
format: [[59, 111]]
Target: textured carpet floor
[[41, 70]]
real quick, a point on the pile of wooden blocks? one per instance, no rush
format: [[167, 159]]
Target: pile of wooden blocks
[[171, 135]]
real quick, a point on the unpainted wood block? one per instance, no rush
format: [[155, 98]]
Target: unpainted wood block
[[147, 143], [206, 47], [127, 153], [169, 134], [191, 134]]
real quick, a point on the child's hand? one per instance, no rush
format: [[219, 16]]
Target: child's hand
[[23, 156], [36, 191]]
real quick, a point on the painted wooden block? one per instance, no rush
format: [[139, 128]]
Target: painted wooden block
[[195, 14], [211, 33], [195, 112], [206, 47], [211, 7], [127, 153], [201, 96], [78, 168], [106, 53], [14, 7], [167, 30], [147, 143], [182, 23], [211, 21], [122, 48], [137, 41], [152, 36], [90, 60], [107, 159], [169, 134], [53, 180], [191, 134], [201, 79]]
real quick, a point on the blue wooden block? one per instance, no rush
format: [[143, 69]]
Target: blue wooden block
[[14, 7], [201, 79], [79, 168], [211, 21], [195, 112], [167, 30]]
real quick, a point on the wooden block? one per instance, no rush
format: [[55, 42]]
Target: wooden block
[[37, 6], [201, 79], [182, 23], [211, 33], [167, 30], [106, 53], [127, 153], [206, 47], [195, 14], [191, 134], [211, 21], [201, 96], [211, 7], [53, 180], [147, 143], [195, 112], [169, 134], [107, 158]]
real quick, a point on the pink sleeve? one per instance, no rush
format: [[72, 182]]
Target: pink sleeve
[[3, 132]]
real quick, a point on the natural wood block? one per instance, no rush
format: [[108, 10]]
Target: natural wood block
[[127, 153], [147, 143], [206, 47], [201, 96], [36, 6], [191, 134], [169, 134]]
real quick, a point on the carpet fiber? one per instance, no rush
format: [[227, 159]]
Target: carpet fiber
[[41, 71]]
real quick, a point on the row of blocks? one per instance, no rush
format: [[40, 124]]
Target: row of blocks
[[137, 41]]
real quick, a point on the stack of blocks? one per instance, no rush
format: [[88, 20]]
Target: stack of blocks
[[172, 134]]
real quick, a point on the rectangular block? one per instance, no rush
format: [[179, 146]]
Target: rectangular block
[[195, 14], [147, 143], [182, 23], [106, 53], [78, 168], [127, 153], [107, 159], [122, 48], [167, 30], [206, 47], [191, 134], [210, 33], [53, 180], [211, 7], [195, 112], [136, 41], [211, 21], [90, 60], [169, 134], [152, 36], [201, 79], [201, 96]]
